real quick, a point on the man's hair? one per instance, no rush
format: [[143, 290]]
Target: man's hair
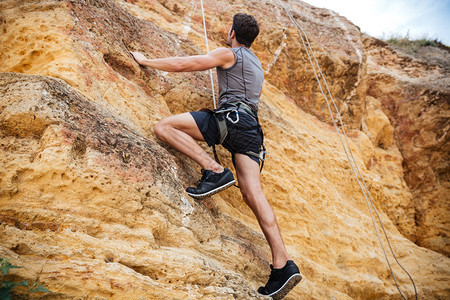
[[246, 28]]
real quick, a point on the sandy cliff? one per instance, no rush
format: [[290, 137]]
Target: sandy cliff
[[93, 205]]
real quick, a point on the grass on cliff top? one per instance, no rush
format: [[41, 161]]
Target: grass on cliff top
[[413, 45]]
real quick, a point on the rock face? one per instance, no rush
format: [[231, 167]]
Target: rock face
[[415, 94], [93, 205]]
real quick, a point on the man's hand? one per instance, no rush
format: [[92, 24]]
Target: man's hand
[[139, 57]]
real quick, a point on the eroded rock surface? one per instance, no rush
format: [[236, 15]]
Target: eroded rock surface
[[414, 94], [93, 205]]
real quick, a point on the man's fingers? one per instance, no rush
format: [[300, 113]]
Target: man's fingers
[[134, 54], [138, 57]]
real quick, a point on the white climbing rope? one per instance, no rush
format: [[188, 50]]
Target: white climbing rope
[[351, 161], [207, 51]]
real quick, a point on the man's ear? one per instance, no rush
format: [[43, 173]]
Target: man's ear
[[232, 34]]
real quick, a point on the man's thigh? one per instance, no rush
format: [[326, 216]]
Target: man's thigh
[[184, 122], [248, 173]]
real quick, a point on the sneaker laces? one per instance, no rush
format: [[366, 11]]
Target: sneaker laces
[[264, 289], [203, 172], [273, 274]]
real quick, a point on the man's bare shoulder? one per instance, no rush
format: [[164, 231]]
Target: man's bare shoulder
[[226, 56], [222, 51]]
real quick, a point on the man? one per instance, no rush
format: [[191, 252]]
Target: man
[[240, 77]]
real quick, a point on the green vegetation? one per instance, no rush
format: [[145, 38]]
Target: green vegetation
[[413, 45], [7, 286]]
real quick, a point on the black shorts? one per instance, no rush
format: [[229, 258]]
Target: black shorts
[[243, 136]]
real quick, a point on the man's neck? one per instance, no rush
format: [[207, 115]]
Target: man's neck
[[235, 44]]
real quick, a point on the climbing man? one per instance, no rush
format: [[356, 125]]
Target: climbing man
[[235, 125]]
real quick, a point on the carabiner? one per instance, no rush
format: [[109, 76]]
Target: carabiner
[[262, 155], [231, 120]]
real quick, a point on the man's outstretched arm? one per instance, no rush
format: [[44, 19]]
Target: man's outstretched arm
[[221, 57]]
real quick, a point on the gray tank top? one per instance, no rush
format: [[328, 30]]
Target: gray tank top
[[242, 81]]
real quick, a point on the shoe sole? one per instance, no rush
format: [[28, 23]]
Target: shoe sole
[[287, 287], [212, 192]]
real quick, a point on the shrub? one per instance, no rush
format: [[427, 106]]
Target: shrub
[[413, 45], [7, 286]]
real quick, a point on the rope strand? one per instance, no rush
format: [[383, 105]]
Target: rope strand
[[207, 51], [364, 190]]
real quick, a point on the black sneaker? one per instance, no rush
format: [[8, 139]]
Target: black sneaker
[[281, 281], [211, 183]]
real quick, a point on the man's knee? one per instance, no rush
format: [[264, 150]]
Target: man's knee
[[160, 129], [252, 195], [245, 194]]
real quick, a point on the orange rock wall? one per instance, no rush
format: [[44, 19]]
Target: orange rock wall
[[93, 205]]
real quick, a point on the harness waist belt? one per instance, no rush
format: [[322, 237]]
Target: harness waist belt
[[232, 107], [221, 114]]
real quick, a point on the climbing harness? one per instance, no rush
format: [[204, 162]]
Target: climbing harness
[[351, 161], [222, 114]]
